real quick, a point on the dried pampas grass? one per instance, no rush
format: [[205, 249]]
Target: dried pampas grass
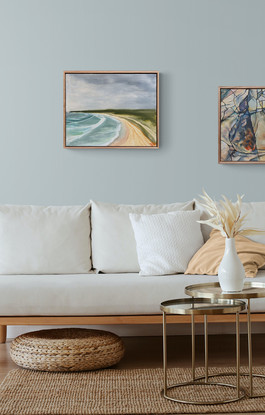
[[226, 216]]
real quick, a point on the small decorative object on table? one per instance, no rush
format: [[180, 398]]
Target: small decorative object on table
[[227, 218]]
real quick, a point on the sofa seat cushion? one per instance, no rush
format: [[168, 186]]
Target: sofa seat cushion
[[112, 237], [96, 294]]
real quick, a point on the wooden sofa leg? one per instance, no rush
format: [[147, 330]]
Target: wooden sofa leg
[[2, 334]]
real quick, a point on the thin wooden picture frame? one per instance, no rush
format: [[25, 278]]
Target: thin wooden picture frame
[[251, 152], [137, 124]]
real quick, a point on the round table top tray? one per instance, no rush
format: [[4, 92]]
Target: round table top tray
[[251, 289], [202, 306]]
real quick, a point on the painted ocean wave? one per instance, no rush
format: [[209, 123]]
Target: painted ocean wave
[[90, 129]]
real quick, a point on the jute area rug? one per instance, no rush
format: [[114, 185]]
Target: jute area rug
[[112, 391]]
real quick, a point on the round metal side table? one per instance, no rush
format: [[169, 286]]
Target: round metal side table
[[205, 307], [251, 290]]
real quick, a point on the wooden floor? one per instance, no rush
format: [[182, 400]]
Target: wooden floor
[[146, 352]]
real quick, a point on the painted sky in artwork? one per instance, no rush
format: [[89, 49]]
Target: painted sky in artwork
[[116, 91], [242, 118]]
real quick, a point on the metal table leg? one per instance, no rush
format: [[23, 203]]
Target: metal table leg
[[237, 355], [250, 373], [165, 352], [202, 380], [206, 347], [250, 350], [250, 357], [193, 347]]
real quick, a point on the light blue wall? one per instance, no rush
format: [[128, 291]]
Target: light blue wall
[[196, 45]]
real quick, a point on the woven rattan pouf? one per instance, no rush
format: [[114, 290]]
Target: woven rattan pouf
[[63, 350]]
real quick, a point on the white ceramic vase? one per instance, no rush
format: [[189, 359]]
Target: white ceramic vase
[[231, 272]]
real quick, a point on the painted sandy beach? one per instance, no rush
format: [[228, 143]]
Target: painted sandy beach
[[111, 109], [131, 136]]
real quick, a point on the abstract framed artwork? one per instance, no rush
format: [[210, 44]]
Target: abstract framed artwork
[[241, 125], [111, 109]]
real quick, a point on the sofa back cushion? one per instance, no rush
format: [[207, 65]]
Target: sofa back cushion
[[45, 240], [113, 241], [255, 219], [204, 215]]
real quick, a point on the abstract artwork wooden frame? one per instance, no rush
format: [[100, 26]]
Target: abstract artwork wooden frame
[[111, 109], [241, 125]]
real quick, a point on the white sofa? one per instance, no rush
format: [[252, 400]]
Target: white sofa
[[102, 298]]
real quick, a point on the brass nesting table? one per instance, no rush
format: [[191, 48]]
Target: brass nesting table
[[251, 290], [205, 307]]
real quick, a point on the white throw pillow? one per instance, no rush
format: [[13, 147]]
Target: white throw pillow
[[45, 240], [113, 242], [166, 242]]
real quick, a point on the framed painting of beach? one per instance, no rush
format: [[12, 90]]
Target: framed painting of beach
[[111, 109], [241, 125]]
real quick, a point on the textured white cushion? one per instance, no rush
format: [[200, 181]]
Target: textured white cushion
[[44, 240], [166, 242], [113, 242]]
